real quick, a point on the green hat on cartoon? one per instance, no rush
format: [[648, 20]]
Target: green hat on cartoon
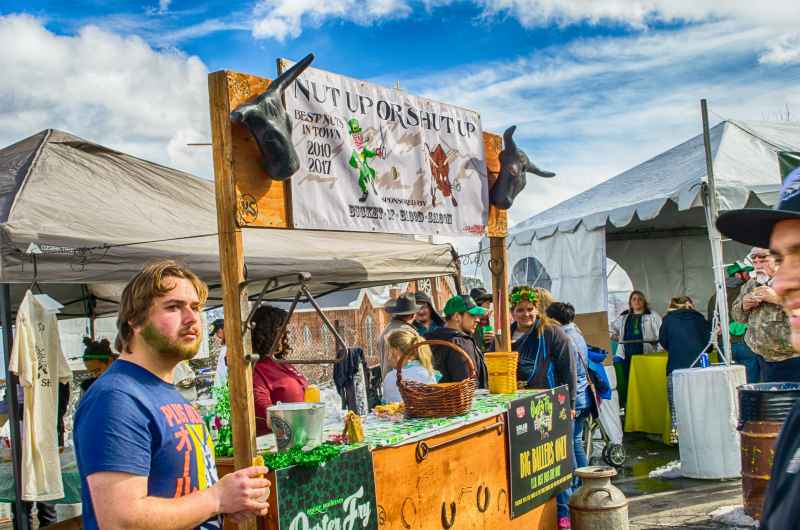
[[353, 126]]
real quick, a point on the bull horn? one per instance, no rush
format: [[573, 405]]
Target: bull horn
[[283, 81], [508, 139]]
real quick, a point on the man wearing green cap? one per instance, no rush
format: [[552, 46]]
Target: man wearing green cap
[[461, 315], [359, 159]]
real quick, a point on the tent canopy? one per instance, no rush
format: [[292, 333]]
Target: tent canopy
[[650, 219], [95, 216], [745, 167]]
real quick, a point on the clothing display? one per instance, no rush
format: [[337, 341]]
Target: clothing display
[[349, 377], [38, 361]]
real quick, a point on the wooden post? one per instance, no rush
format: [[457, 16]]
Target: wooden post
[[231, 260], [497, 230], [498, 266]]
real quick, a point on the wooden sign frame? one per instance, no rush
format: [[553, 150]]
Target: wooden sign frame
[[247, 198]]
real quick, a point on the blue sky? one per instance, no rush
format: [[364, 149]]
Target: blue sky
[[594, 87]]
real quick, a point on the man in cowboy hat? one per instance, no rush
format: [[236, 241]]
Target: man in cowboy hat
[[402, 311], [779, 230]]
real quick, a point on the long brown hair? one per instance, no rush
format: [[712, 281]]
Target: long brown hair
[[646, 305], [138, 296], [404, 341], [266, 323]]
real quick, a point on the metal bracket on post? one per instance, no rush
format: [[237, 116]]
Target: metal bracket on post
[[302, 291]]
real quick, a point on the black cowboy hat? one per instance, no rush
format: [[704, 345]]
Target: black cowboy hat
[[215, 326], [405, 305], [480, 295], [753, 226]]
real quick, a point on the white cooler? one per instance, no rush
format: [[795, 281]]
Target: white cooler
[[708, 412]]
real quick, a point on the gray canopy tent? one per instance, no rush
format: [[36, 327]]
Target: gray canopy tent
[[78, 220], [82, 219]]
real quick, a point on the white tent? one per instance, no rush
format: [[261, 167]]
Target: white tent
[[651, 219]]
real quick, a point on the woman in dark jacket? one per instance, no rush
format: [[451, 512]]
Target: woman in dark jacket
[[546, 356], [684, 335]]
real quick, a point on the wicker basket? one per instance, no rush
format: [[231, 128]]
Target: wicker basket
[[502, 368], [440, 400]]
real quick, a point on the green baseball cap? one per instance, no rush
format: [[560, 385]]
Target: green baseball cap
[[737, 267], [463, 304]]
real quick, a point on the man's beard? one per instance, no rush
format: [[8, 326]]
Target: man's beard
[[762, 278], [169, 349]]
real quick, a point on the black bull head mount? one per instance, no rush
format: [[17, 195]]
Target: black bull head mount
[[514, 163], [269, 123]]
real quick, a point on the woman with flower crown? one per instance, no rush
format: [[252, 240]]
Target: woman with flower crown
[[546, 357]]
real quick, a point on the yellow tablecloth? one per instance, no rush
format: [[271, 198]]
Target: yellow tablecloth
[[647, 409]]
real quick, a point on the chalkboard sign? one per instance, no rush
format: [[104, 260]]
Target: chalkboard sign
[[338, 494], [540, 448]]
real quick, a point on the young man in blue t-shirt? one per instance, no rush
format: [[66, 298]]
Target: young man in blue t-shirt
[[145, 456]]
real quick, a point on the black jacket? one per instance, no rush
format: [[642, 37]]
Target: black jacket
[[781, 509], [684, 333], [546, 371], [452, 364]]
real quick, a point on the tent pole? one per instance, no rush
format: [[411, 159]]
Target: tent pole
[[20, 517], [711, 208]]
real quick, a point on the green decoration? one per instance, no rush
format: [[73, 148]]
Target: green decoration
[[523, 292], [222, 422], [297, 457]]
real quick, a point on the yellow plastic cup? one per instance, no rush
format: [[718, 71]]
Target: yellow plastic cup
[[312, 394]]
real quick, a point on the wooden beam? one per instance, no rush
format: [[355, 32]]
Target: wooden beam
[[231, 260], [497, 230], [260, 201]]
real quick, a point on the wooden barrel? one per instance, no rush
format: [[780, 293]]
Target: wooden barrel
[[763, 407], [758, 449]]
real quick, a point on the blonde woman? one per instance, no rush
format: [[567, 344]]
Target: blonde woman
[[419, 367]]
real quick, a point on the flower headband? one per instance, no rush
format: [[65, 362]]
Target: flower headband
[[518, 294]]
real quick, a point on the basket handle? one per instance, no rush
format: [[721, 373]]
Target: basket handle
[[473, 374]]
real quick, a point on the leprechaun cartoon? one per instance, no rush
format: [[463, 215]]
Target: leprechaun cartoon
[[359, 159]]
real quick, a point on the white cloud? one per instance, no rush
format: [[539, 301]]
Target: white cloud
[[163, 6], [282, 19], [786, 50], [644, 12], [117, 91], [594, 108]]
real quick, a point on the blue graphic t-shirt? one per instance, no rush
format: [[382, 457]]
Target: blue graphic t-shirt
[[131, 421]]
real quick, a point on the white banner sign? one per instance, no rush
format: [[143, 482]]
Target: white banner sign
[[373, 159]]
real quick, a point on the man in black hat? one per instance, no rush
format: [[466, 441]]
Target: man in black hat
[[484, 332], [779, 230], [426, 319], [402, 311]]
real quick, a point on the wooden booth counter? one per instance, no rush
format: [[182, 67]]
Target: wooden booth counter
[[467, 472]]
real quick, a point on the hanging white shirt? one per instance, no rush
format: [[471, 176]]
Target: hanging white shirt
[[39, 362]]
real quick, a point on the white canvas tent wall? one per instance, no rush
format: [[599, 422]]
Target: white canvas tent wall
[[650, 219], [98, 215]]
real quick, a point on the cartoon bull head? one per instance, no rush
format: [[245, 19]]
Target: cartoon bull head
[[514, 163], [269, 123]]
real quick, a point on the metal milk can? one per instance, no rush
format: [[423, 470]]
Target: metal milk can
[[598, 504]]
